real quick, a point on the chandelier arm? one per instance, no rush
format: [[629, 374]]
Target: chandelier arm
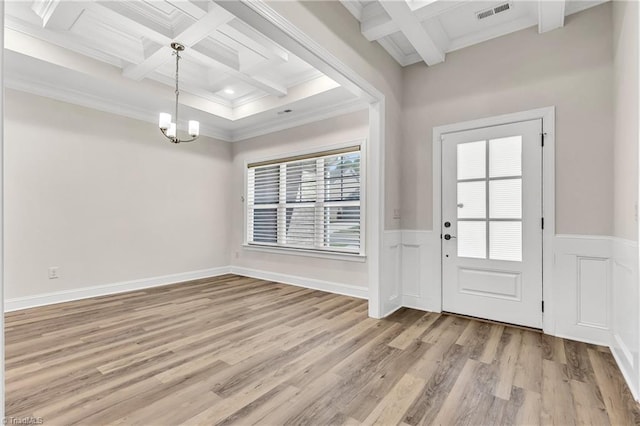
[[171, 138], [175, 139], [188, 140]]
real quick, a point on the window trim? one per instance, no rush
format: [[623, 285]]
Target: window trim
[[317, 151]]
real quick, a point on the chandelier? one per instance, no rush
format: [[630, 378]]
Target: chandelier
[[168, 127]]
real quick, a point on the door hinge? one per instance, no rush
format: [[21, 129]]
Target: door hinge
[[543, 306], [542, 222], [542, 135]]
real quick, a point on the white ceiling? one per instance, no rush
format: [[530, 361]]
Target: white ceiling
[[426, 30], [115, 56]]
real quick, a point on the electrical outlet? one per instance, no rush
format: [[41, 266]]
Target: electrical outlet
[[54, 272], [396, 213], [237, 254]]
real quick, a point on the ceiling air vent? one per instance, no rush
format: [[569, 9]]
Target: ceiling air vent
[[493, 11]]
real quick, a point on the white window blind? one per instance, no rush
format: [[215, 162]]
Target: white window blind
[[306, 202]]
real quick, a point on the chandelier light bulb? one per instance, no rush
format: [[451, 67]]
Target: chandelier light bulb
[[171, 131], [194, 128], [165, 120]]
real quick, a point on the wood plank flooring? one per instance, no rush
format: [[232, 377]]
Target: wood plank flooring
[[235, 350]]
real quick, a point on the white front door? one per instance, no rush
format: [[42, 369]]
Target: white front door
[[492, 223]]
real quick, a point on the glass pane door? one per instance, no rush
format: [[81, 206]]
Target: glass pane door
[[489, 199]]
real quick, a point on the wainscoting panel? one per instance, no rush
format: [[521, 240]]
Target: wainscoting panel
[[594, 292], [421, 270], [593, 285], [391, 272], [411, 277], [625, 311], [582, 288]]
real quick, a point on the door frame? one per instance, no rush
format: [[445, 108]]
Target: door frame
[[547, 115], [382, 294]]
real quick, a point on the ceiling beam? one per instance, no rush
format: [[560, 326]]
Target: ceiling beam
[[550, 15], [354, 7], [204, 26], [419, 4], [260, 83], [192, 35], [253, 40], [149, 65], [114, 14], [188, 7], [294, 40], [41, 50], [57, 14], [412, 28], [376, 22]]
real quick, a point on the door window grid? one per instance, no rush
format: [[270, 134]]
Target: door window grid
[[502, 165]]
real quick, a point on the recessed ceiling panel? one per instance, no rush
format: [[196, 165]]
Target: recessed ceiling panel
[[115, 55]]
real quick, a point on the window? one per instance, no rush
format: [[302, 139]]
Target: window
[[307, 202], [490, 199]]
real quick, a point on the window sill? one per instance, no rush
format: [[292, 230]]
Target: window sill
[[349, 257]]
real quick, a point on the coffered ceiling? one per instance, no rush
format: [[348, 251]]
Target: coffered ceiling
[[115, 56], [426, 30]]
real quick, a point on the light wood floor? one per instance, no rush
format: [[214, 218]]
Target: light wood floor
[[235, 350]]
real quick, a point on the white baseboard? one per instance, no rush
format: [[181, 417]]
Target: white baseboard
[[102, 290], [626, 330], [331, 287], [414, 303], [43, 299], [625, 363]]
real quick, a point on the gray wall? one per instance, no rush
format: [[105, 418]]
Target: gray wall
[[106, 199], [570, 68], [333, 27], [310, 137], [625, 93]]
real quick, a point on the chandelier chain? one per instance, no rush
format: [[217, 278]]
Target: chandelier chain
[[177, 53]]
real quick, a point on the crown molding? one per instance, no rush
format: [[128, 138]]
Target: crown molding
[[323, 113], [126, 110], [101, 104]]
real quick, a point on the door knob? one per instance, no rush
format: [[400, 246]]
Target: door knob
[[448, 237]]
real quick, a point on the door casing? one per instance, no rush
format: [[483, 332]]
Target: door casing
[[547, 115], [521, 280]]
